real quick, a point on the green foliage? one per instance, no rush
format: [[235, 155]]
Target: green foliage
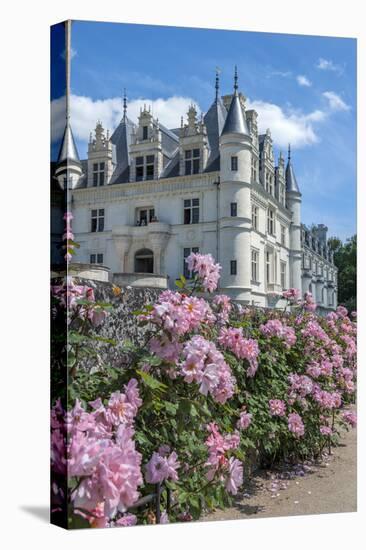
[[345, 258]]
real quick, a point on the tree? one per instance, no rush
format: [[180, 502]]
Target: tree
[[345, 258]]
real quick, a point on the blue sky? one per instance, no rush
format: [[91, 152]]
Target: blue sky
[[303, 87]]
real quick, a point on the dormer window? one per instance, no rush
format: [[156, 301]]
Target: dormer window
[[144, 132], [271, 185], [139, 168], [192, 161], [98, 173], [145, 168], [150, 167]]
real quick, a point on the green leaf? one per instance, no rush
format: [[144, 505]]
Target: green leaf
[[171, 408], [151, 382]]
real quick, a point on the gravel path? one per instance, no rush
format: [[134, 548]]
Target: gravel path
[[326, 487]]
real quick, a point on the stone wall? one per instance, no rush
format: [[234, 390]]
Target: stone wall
[[120, 325]]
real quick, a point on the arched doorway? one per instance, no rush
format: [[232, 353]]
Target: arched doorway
[[144, 261]]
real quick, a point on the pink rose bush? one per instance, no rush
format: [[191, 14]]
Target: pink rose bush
[[208, 383], [98, 451], [160, 468], [277, 407], [227, 469], [296, 425], [208, 272]]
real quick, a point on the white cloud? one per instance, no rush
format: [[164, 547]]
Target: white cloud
[[58, 107], [302, 80], [328, 65], [336, 103], [288, 126], [85, 112]]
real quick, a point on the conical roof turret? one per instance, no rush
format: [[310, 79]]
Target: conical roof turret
[[235, 122], [68, 151], [291, 183]]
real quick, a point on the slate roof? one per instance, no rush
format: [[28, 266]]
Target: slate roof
[[291, 183], [68, 150], [218, 120], [214, 121], [235, 122]]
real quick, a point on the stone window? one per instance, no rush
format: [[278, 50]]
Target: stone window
[[145, 168], [283, 235], [150, 167], [255, 265], [191, 211], [270, 222], [144, 132], [186, 252], [268, 267], [98, 173], [254, 167], [145, 215], [283, 274], [139, 168], [233, 209], [192, 161], [97, 220], [271, 188], [281, 196], [96, 258], [255, 217], [234, 164], [233, 267]]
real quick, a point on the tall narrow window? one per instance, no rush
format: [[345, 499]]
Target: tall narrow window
[[186, 253], [98, 173], [255, 217], [254, 169], [268, 267], [283, 235], [97, 220], [192, 161], [233, 209], [150, 167], [255, 265], [281, 194], [270, 222], [233, 267], [283, 275], [139, 168], [191, 211], [234, 164], [144, 132], [271, 188]]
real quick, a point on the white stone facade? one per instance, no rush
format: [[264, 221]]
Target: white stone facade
[[148, 196]]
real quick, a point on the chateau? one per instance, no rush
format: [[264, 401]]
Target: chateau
[[147, 196]]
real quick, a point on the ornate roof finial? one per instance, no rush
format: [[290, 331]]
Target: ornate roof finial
[[236, 80], [124, 104], [289, 152], [217, 83]]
